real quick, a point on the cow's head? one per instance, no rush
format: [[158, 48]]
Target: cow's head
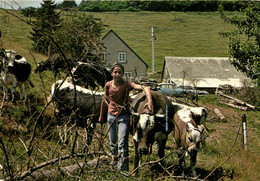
[[9, 58], [145, 130], [194, 136]]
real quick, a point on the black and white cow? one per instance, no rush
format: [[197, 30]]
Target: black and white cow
[[81, 107], [187, 135], [148, 127], [88, 75], [16, 72], [91, 75]]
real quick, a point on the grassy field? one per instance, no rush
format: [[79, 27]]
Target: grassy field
[[178, 34], [189, 34]]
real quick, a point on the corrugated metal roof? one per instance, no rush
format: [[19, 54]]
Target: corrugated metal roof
[[204, 71]]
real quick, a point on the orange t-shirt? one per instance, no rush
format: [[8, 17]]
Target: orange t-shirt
[[118, 99]]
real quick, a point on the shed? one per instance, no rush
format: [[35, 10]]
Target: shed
[[201, 72]]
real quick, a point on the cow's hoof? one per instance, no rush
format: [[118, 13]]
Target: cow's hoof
[[114, 160], [135, 174], [193, 173], [124, 173]]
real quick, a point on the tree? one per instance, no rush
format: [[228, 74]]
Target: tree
[[47, 22], [29, 12], [244, 42], [67, 4], [80, 38]]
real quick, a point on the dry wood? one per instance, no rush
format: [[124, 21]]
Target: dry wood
[[219, 114], [36, 172], [235, 106], [237, 100]]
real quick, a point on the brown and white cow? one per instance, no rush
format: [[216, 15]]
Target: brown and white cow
[[187, 135], [199, 116], [147, 127]]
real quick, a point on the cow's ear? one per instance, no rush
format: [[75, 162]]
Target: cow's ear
[[201, 128]]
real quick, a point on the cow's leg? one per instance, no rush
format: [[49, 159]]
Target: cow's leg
[[63, 133], [59, 128], [161, 139], [21, 90], [3, 82], [5, 93], [136, 156], [181, 156], [193, 160], [26, 85], [4, 88], [13, 90], [90, 131]]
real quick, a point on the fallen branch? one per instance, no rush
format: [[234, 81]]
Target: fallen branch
[[220, 115], [53, 161], [180, 177], [237, 100], [235, 106]]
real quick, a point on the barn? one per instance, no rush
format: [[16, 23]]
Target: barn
[[117, 50], [201, 72]]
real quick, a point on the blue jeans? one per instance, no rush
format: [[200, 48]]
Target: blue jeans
[[118, 136]]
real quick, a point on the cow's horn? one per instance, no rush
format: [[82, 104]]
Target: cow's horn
[[159, 115]]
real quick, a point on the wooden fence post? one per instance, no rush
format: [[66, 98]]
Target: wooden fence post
[[244, 132]]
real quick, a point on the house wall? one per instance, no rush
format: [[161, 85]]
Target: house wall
[[133, 64]]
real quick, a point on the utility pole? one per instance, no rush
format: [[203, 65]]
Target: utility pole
[[152, 40]]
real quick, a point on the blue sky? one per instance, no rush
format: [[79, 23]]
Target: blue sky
[[15, 4]]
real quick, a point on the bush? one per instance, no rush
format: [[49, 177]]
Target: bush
[[249, 93]]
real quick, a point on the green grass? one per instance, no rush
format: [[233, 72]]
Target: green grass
[[190, 34], [178, 34]]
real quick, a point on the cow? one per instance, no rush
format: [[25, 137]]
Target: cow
[[82, 106], [187, 135], [200, 113], [148, 127], [90, 75], [16, 72], [54, 63], [199, 116]]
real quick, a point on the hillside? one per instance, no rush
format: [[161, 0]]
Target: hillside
[[177, 33], [28, 133]]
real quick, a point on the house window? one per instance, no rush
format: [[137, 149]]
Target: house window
[[128, 74], [121, 57]]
